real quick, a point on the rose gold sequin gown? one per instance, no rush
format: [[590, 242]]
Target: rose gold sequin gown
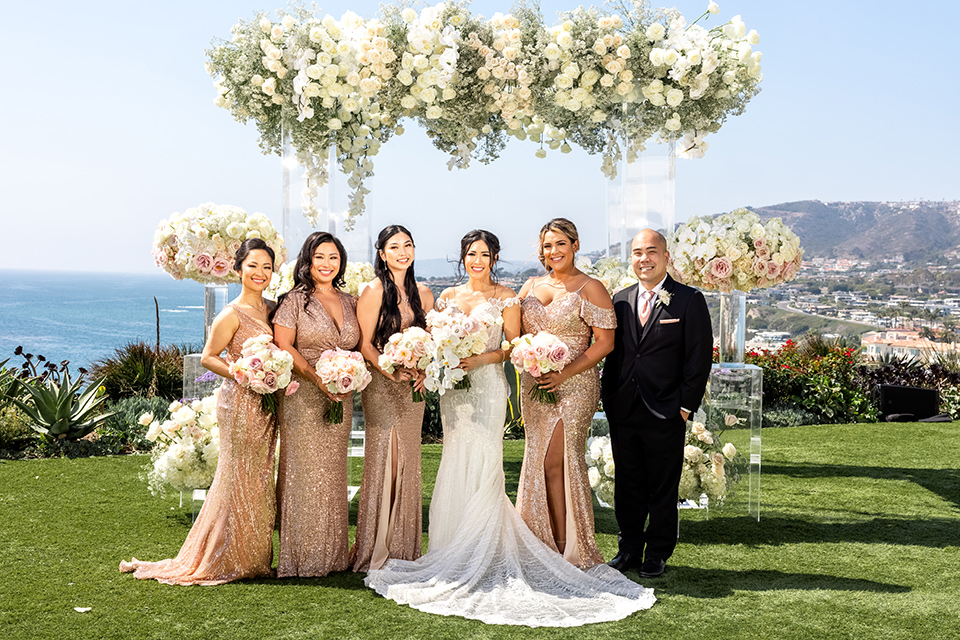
[[233, 535], [312, 479], [570, 318], [384, 532]]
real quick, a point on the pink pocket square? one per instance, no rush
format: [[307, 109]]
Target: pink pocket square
[[670, 320]]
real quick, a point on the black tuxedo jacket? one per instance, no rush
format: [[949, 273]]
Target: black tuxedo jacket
[[666, 362]]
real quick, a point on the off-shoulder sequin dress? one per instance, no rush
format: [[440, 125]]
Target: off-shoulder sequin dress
[[570, 318], [312, 477], [384, 532], [233, 535]]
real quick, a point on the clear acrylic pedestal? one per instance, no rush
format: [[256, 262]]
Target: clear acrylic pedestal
[[736, 389]]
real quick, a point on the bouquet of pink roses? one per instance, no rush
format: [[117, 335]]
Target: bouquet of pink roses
[[342, 372], [265, 368], [538, 354], [412, 348]]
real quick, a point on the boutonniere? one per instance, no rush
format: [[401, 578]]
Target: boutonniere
[[663, 298]]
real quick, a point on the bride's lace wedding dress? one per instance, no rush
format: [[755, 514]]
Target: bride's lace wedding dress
[[483, 562]]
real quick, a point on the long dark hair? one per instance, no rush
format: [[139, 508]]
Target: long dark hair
[[302, 277], [389, 321], [479, 235], [249, 245]]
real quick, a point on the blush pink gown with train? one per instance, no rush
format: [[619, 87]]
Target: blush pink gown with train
[[233, 535]]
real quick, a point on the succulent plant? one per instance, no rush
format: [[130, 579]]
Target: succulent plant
[[62, 409]]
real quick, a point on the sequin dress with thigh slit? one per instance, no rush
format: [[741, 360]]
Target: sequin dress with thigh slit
[[384, 531], [233, 535], [312, 476], [570, 318]]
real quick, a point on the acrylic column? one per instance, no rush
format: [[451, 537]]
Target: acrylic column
[[329, 204], [735, 393], [643, 195]]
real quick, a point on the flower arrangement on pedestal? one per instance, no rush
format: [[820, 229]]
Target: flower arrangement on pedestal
[[188, 446], [612, 272], [607, 81], [201, 243], [709, 466], [735, 250], [600, 468]]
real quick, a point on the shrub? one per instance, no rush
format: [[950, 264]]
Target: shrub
[[122, 431], [15, 432], [139, 369], [816, 376], [788, 416]]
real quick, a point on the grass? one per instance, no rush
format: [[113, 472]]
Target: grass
[[858, 539]]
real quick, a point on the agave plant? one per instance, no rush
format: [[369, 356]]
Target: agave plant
[[60, 409]]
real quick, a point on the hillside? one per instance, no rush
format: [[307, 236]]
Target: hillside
[[919, 231]]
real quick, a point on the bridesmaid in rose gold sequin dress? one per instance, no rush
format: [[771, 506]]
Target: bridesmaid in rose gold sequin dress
[[233, 535], [554, 492], [390, 511], [312, 479]]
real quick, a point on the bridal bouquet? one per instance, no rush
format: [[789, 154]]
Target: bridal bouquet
[[188, 446], [537, 355], [265, 368], [600, 468], [734, 251], [201, 243], [456, 335], [709, 466], [341, 372], [412, 348]]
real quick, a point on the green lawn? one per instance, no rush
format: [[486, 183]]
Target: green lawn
[[858, 539]]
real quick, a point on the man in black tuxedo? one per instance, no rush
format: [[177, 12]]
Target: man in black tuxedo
[[652, 381]]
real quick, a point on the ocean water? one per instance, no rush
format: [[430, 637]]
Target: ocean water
[[82, 317]]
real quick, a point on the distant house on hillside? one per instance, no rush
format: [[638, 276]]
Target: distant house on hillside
[[903, 343]]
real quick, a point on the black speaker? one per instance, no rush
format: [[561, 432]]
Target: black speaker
[[912, 403]]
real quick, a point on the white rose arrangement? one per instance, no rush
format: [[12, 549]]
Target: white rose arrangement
[[613, 273], [457, 335], [709, 466], [201, 243], [188, 446], [600, 469], [734, 251], [601, 80]]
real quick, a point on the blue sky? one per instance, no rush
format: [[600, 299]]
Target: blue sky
[[109, 126]]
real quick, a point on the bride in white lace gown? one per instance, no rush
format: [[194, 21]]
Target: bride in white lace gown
[[483, 562]]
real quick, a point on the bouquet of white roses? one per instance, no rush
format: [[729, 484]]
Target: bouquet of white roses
[[412, 348], [734, 251], [456, 335], [709, 466], [341, 372], [188, 446], [265, 368], [537, 355], [201, 243], [600, 468]]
